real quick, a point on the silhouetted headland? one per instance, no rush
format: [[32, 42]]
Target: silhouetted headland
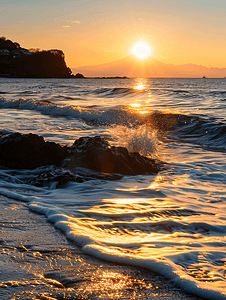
[[34, 63]]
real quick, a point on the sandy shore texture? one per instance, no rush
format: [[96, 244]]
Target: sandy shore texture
[[38, 262]]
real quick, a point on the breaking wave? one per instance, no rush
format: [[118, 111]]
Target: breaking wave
[[209, 133]]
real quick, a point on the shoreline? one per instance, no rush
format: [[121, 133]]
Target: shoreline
[[38, 262]]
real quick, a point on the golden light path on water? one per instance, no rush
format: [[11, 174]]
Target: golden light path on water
[[140, 85], [172, 223]]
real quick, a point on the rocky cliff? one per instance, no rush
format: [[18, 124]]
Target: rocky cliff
[[19, 62]]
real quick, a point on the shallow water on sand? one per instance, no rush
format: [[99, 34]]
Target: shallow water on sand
[[37, 262], [172, 223]]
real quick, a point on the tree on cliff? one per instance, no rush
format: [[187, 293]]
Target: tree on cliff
[[8, 45]]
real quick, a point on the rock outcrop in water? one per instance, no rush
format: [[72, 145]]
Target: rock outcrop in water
[[78, 75], [57, 177], [95, 153], [54, 177], [29, 151]]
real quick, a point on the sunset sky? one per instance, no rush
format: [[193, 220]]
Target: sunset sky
[[92, 32]]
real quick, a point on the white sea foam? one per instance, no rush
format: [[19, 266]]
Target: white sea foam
[[48, 108], [97, 117], [138, 249]]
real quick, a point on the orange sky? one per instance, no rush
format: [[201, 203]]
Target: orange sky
[[92, 32]]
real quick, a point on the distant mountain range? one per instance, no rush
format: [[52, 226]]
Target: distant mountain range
[[130, 66]]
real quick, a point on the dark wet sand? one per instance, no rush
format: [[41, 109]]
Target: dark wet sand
[[38, 262]]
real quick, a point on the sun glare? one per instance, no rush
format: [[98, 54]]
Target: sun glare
[[141, 50]]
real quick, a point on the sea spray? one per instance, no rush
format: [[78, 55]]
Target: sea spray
[[136, 139]]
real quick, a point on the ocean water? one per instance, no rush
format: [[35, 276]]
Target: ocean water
[[172, 223]]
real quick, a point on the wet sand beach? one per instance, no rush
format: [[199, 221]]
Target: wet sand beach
[[38, 262]]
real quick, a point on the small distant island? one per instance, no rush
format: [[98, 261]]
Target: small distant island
[[78, 75], [16, 61], [112, 77]]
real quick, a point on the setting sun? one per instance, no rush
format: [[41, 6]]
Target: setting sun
[[141, 50]]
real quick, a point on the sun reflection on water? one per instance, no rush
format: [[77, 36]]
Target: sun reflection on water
[[140, 84], [135, 105], [143, 112]]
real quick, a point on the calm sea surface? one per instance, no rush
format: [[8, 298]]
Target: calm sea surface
[[173, 223]]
